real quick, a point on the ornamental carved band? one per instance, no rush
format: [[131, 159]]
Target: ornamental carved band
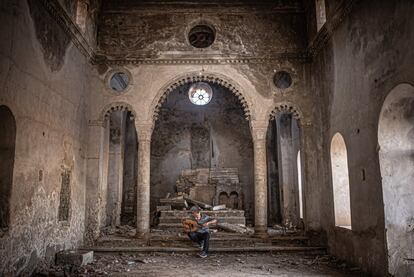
[[203, 78], [118, 106], [285, 108]]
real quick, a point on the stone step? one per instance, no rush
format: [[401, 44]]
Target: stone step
[[216, 241], [151, 249], [215, 214], [177, 220], [236, 238]]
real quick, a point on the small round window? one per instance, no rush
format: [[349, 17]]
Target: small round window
[[119, 81], [282, 80], [200, 94], [201, 36]]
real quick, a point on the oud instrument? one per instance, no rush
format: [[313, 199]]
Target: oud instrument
[[190, 225]]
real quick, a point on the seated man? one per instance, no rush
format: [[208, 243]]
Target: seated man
[[200, 233]]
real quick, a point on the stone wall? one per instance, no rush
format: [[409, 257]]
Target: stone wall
[[136, 30], [45, 83], [368, 55]]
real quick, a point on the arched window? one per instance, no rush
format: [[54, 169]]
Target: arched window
[[340, 181], [320, 13], [7, 147], [396, 143], [299, 166]]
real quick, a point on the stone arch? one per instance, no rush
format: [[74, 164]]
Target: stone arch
[[198, 77], [396, 148], [116, 106], [286, 107]]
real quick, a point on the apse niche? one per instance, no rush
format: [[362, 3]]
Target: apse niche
[[202, 136]]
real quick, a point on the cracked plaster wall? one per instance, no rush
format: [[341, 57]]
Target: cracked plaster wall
[[368, 55], [45, 82], [163, 32]]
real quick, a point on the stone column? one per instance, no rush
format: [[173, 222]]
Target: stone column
[[144, 132], [259, 130], [94, 180]]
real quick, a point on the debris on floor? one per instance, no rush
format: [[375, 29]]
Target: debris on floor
[[235, 228], [120, 230], [237, 264]]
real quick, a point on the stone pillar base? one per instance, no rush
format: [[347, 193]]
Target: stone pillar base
[[142, 236], [260, 232]]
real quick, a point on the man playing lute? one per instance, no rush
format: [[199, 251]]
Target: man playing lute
[[197, 229]]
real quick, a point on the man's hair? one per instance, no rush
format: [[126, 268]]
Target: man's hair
[[195, 209]]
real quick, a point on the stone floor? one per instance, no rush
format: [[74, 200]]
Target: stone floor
[[235, 264], [170, 253]]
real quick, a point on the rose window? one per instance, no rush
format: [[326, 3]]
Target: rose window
[[200, 93]]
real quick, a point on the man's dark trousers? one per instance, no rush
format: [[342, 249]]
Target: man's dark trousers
[[202, 238]]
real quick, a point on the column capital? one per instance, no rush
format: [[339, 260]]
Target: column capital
[[259, 129], [144, 130]]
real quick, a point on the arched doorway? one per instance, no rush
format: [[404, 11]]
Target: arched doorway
[[396, 142], [284, 171], [203, 148], [119, 169], [7, 152]]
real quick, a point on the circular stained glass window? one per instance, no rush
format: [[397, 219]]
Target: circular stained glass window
[[282, 80], [200, 93], [119, 81]]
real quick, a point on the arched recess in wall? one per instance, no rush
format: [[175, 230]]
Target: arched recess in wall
[[194, 77], [119, 163], [209, 145], [7, 152], [396, 157], [284, 142], [340, 181]]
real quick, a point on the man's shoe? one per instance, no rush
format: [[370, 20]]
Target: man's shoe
[[203, 255]]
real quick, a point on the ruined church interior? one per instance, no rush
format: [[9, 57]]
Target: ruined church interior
[[289, 122]]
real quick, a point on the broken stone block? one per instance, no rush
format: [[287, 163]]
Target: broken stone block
[[74, 257], [198, 203], [219, 207], [164, 208]]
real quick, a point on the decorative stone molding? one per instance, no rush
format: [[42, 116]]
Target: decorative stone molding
[[270, 58], [116, 106], [327, 30], [199, 77], [69, 27], [286, 107]]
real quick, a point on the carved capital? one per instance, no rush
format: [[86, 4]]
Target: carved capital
[[259, 129], [144, 131]]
